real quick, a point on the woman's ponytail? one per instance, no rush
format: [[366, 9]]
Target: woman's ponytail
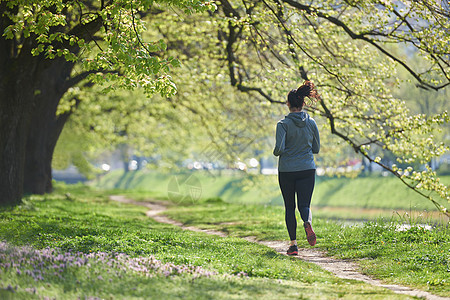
[[296, 98]]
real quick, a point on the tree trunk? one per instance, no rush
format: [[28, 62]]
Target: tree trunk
[[52, 83], [37, 168], [46, 126], [13, 132], [39, 152], [42, 138], [16, 104], [30, 90]]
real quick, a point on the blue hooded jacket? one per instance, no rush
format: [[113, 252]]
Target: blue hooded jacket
[[297, 139]]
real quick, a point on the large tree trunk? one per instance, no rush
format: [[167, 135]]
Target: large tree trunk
[[55, 79], [46, 126], [37, 168], [13, 132], [18, 73], [41, 142], [30, 90], [16, 104]]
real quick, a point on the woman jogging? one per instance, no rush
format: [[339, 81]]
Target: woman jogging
[[297, 139]]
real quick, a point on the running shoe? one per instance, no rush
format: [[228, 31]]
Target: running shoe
[[310, 235], [293, 250]]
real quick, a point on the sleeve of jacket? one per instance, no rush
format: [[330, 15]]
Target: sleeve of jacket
[[316, 139], [280, 140]]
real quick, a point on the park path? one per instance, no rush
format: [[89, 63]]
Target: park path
[[340, 268]]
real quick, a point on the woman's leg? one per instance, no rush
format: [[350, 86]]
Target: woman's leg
[[287, 186], [304, 187]]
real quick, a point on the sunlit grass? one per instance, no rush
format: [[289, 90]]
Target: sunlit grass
[[78, 244], [411, 255], [378, 196]]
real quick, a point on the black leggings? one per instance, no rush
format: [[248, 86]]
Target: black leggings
[[301, 182]]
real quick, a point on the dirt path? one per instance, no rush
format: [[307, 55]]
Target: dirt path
[[341, 268]]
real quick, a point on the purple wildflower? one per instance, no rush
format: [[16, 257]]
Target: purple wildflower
[[39, 264]]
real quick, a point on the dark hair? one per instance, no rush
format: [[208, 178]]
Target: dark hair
[[296, 98]]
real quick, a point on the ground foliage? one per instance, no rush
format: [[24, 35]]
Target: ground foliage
[[75, 243], [399, 250]]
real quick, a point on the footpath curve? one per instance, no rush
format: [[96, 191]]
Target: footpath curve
[[341, 268]]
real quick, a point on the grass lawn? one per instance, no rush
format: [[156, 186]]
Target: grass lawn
[[415, 257], [76, 243], [375, 196]]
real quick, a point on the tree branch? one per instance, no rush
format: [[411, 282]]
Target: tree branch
[[72, 81], [357, 149], [243, 88], [312, 10], [87, 31]]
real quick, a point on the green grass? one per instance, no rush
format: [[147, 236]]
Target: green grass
[[370, 192], [416, 257], [80, 222], [233, 188], [386, 193]]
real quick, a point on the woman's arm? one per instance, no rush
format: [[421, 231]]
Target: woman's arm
[[316, 139], [280, 140]]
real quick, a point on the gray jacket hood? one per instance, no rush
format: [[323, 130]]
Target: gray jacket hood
[[299, 118]]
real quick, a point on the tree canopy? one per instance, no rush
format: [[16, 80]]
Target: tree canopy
[[240, 58], [48, 47]]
